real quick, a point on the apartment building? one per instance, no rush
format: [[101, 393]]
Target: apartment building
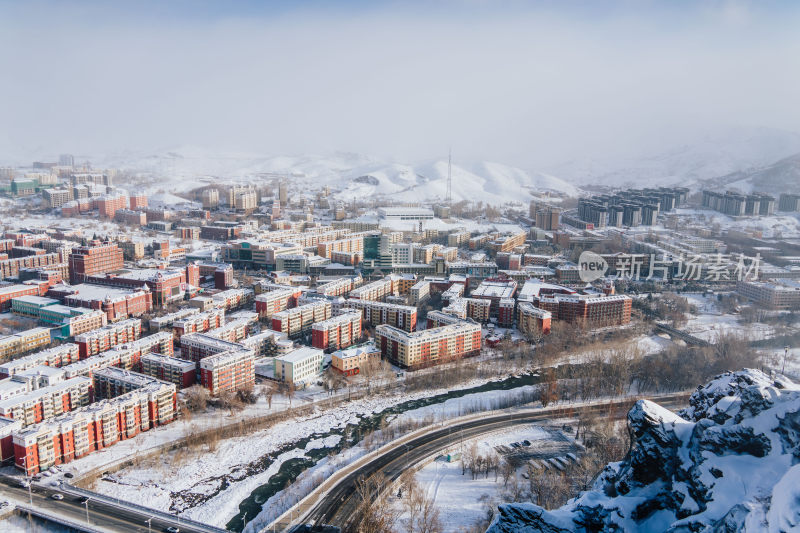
[[774, 295], [199, 322], [127, 356], [419, 292], [11, 267], [351, 244], [300, 366], [168, 321], [69, 321], [181, 372], [95, 427], [47, 402], [138, 201], [337, 287], [234, 331], [507, 243], [375, 313], [505, 312], [231, 370], [232, 298], [337, 332], [56, 197], [104, 338], [95, 259], [789, 202], [532, 320], [130, 216], [375, 291], [111, 382], [350, 361], [196, 346], [265, 344], [591, 310], [56, 356], [298, 320], [495, 290], [458, 239], [430, 346], [23, 342], [210, 199], [275, 301], [109, 204]]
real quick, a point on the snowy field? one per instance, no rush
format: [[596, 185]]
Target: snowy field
[[461, 500], [710, 322]]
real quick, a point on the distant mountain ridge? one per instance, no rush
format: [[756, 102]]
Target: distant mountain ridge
[[690, 164], [744, 158], [352, 175]]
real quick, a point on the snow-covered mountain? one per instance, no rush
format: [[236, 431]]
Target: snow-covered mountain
[[729, 462], [710, 156], [778, 177], [349, 175]]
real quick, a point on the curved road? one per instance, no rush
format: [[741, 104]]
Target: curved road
[[338, 506]]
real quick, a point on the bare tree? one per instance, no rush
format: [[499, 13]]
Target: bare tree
[[197, 398], [373, 513]]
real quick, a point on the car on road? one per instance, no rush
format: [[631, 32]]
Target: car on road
[[57, 496], [172, 529], [24, 483]]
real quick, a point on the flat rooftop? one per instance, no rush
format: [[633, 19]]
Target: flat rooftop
[[300, 354], [87, 292], [35, 300]]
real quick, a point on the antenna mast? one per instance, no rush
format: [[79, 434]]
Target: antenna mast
[[449, 177]]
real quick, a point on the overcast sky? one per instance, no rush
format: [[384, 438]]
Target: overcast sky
[[527, 83]]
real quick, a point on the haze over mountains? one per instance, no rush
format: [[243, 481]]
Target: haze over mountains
[[745, 158]]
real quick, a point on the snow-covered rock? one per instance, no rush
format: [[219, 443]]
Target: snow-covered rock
[[726, 463]]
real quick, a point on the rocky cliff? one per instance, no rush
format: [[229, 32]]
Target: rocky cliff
[[727, 463]]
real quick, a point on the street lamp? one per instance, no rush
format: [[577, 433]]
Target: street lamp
[[28, 479], [149, 529], [86, 503]]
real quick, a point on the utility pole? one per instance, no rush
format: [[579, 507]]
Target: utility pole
[[785, 356]]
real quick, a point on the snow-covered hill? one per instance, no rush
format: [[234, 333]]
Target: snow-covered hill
[[778, 177], [349, 175], [712, 155], [729, 462]]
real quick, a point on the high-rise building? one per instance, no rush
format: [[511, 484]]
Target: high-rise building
[[547, 218], [96, 258], [789, 202], [210, 199], [283, 193]]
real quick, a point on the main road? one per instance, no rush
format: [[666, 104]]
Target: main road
[[338, 505], [97, 514]]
